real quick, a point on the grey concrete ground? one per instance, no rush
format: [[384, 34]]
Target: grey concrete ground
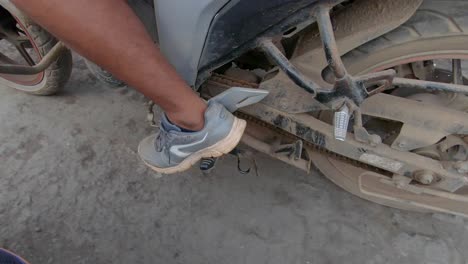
[[72, 190]]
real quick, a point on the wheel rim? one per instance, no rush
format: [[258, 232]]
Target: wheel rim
[[21, 49]]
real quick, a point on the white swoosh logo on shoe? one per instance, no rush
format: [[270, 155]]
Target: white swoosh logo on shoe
[[176, 149]]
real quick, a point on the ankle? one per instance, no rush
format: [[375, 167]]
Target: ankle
[[190, 116], [188, 122]]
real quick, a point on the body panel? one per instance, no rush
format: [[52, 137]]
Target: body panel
[[252, 24], [243, 20], [182, 28]]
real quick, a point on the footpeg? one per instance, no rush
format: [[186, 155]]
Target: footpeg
[[341, 121], [237, 97]]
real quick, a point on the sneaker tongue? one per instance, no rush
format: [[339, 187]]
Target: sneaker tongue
[[168, 126]]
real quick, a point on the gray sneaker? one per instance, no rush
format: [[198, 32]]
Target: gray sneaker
[[172, 150]]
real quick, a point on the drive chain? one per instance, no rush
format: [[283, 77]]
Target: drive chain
[[229, 81]]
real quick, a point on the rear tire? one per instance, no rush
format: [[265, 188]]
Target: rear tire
[[437, 27], [57, 74]]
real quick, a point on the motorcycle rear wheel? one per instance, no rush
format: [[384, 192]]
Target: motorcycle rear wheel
[[438, 30]]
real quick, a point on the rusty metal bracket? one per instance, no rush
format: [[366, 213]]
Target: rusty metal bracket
[[346, 86], [45, 62]]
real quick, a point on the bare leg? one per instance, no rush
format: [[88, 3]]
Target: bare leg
[[108, 33]]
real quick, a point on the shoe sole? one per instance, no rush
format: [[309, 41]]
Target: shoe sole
[[222, 147]]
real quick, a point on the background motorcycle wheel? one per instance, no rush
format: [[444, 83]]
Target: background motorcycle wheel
[[24, 42], [438, 30], [103, 76]]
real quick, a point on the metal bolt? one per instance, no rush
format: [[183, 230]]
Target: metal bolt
[[423, 177]]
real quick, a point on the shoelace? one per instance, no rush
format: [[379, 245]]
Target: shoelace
[[162, 139]]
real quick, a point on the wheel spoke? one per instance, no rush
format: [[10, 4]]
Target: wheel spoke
[[457, 71], [24, 53]]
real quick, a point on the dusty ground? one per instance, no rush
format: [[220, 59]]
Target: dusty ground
[[72, 190]]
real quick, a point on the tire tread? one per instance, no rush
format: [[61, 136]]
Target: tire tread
[[434, 18]]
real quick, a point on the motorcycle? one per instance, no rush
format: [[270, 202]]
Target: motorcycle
[[371, 92]]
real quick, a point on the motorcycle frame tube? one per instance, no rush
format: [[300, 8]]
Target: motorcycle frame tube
[[285, 65]]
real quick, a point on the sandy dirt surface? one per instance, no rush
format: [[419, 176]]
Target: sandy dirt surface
[[72, 190]]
